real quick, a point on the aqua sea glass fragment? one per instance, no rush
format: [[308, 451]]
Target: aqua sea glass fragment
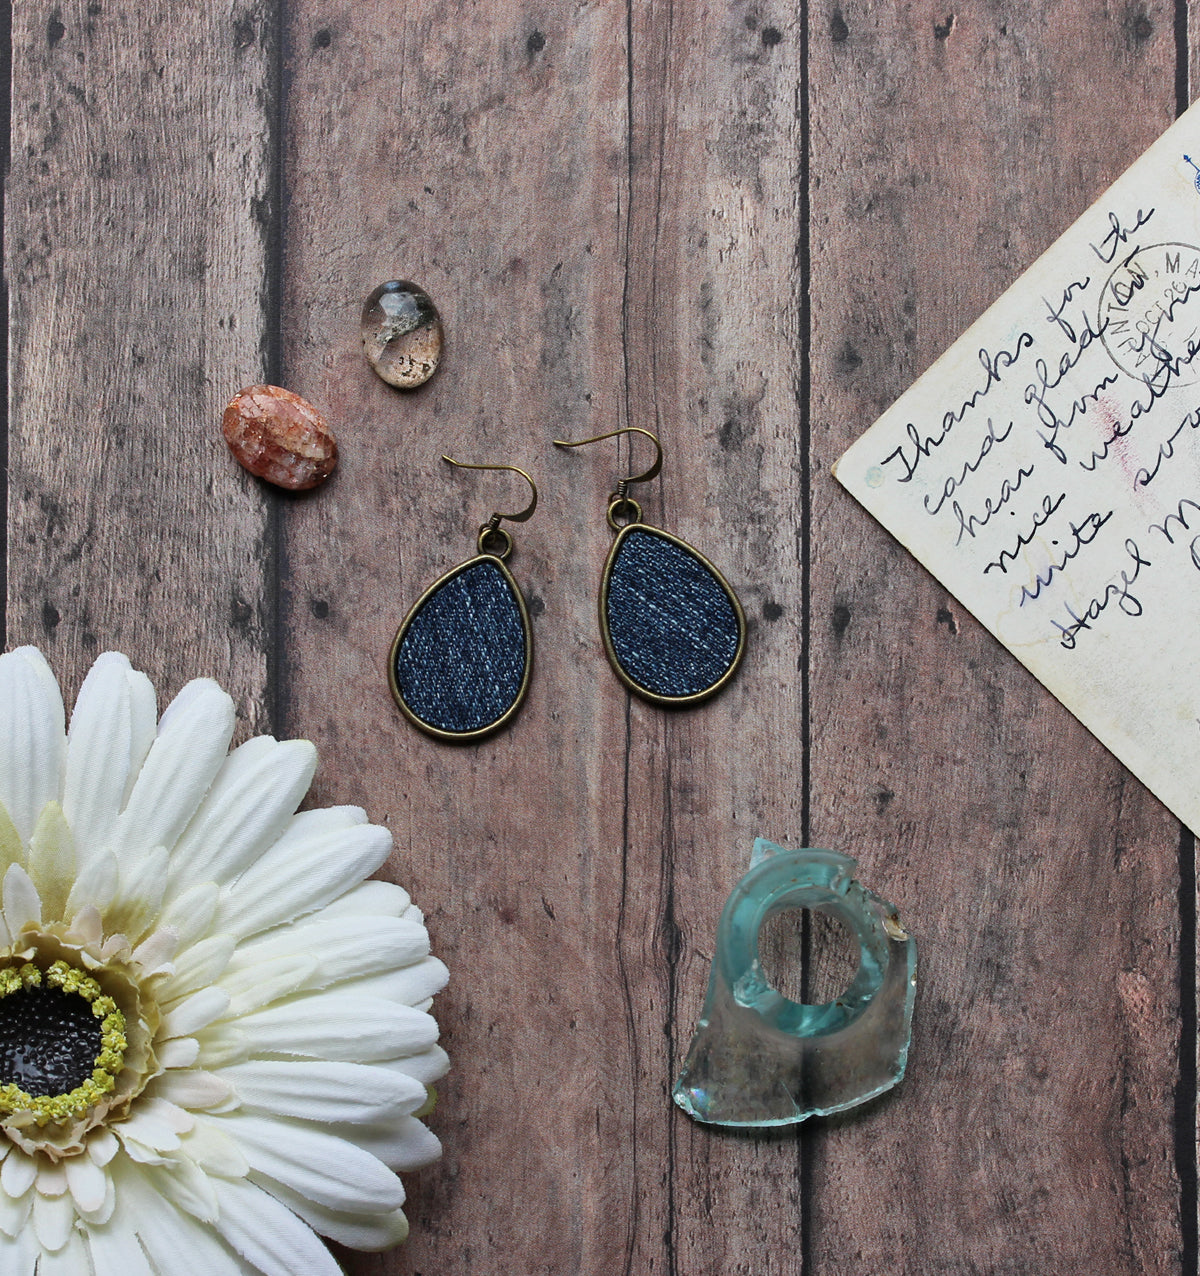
[[758, 1059]]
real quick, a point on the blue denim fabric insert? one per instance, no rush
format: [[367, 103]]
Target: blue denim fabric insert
[[462, 660], [673, 628]]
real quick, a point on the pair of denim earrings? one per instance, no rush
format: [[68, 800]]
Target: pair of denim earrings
[[672, 626]]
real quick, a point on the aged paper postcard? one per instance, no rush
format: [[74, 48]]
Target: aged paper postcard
[[1046, 469]]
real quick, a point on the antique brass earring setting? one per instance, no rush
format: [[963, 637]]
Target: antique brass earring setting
[[673, 628], [460, 662]]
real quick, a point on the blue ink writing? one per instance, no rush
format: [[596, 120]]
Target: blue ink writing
[[968, 523], [969, 467], [1083, 534], [1116, 589], [923, 446], [1110, 245], [1049, 505]]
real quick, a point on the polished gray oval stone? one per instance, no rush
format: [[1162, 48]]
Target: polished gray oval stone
[[402, 333]]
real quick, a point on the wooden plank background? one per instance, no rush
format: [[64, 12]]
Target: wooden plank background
[[747, 226]]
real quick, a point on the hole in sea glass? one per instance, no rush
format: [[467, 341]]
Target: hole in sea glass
[[832, 955]]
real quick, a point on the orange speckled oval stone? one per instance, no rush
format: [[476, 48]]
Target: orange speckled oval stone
[[280, 437]]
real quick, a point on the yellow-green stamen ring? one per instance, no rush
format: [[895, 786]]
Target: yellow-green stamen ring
[[108, 1063]]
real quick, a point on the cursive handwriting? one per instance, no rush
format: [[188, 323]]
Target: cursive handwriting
[[1036, 391], [1082, 534], [968, 524], [1049, 505], [1179, 516], [1117, 589], [1054, 314], [1119, 431], [952, 484], [1110, 245], [923, 446], [1166, 450]]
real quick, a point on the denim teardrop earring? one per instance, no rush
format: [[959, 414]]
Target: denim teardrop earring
[[460, 662], [672, 626]]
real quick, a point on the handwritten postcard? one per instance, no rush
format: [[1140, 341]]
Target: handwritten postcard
[[1046, 469]]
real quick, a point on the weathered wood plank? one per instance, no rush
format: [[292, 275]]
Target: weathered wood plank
[[1035, 1130], [135, 253], [455, 139], [591, 239]]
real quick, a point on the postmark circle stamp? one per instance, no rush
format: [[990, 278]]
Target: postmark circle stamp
[[1149, 314]]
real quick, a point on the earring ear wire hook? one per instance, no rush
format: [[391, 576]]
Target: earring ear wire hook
[[520, 517], [624, 483]]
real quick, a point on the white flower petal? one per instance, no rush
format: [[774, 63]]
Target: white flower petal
[[323, 1091], [175, 1243], [329, 1170], [154, 953], [148, 1130], [143, 880], [250, 804], [22, 904], [18, 1174], [371, 1232], [412, 985], [347, 951], [180, 1052], [183, 761], [52, 1178], [112, 728], [192, 1088], [102, 1146], [103, 1212], [186, 1185], [248, 990], [197, 967], [289, 881], [21, 1257], [33, 741], [51, 860], [215, 1151], [341, 1028], [11, 850], [115, 1251], [371, 899], [14, 1212], [70, 1259], [268, 1234], [174, 1116], [190, 915], [198, 1010], [403, 1144], [95, 886], [53, 1220], [87, 1182], [426, 1066], [223, 1043]]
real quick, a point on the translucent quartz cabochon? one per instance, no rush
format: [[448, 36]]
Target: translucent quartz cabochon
[[758, 1059]]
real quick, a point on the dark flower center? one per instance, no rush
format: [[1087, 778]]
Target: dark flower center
[[62, 1043], [49, 1040]]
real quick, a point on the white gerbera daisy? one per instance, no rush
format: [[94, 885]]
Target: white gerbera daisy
[[214, 1034]]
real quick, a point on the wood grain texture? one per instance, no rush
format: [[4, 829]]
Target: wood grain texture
[[135, 243], [747, 227], [530, 176], [1039, 878]]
